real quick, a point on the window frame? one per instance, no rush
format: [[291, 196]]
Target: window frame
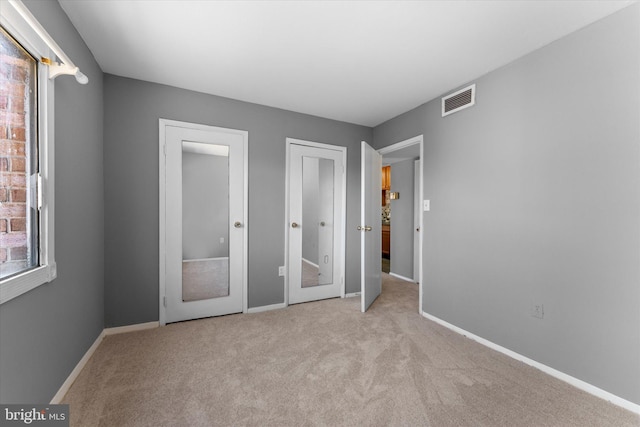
[[27, 36]]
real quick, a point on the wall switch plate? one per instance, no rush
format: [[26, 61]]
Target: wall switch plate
[[538, 311], [426, 205], [221, 240], [281, 271]]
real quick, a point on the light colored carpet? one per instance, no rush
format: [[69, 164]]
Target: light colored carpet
[[322, 363]]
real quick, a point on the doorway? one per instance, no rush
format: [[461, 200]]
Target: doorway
[[406, 244], [315, 223], [203, 229]]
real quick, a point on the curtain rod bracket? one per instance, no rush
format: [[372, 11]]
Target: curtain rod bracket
[[55, 68]]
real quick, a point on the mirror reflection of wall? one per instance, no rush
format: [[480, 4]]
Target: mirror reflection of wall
[[317, 221], [205, 221]]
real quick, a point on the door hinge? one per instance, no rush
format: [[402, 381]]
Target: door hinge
[[164, 301], [164, 149]]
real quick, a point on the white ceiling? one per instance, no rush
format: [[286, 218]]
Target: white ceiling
[[361, 62]]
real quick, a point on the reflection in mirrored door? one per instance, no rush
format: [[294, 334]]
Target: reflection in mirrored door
[[315, 229], [205, 221], [318, 219]]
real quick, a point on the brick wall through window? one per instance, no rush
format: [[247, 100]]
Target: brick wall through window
[[16, 94]]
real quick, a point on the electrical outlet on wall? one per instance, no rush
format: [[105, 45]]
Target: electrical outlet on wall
[[538, 311]]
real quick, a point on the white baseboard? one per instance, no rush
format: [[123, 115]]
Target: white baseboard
[[76, 371], [406, 279], [310, 263], [266, 308], [582, 385], [131, 328], [352, 294], [81, 364]]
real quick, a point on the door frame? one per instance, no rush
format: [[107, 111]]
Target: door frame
[[395, 147], [343, 231], [163, 124], [417, 214]]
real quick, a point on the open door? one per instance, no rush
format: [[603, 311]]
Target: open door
[[371, 226]]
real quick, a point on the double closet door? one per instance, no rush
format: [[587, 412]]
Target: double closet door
[[203, 221], [315, 228]]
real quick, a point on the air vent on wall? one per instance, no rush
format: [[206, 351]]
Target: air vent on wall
[[459, 100]]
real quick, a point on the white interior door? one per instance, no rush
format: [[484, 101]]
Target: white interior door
[[204, 228], [316, 223], [371, 225]]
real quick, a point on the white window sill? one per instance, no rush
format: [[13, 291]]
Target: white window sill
[[17, 285]]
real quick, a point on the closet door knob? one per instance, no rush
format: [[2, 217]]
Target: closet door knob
[[294, 225], [237, 224]]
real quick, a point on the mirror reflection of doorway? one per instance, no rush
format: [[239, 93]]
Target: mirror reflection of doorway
[[315, 226]]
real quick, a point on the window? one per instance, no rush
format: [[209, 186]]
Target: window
[[19, 241], [26, 152]]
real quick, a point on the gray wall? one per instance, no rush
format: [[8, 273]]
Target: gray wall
[[402, 178], [534, 200], [132, 110], [45, 332], [205, 206]]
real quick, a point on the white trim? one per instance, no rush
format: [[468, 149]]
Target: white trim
[[163, 124], [419, 139], [338, 148], [130, 328], [264, 308], [582, 385], [66, 385], [162, 209], [406, 279], [417, 214], [287, 178], [402, 144], [343, 234], [206, 259]]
